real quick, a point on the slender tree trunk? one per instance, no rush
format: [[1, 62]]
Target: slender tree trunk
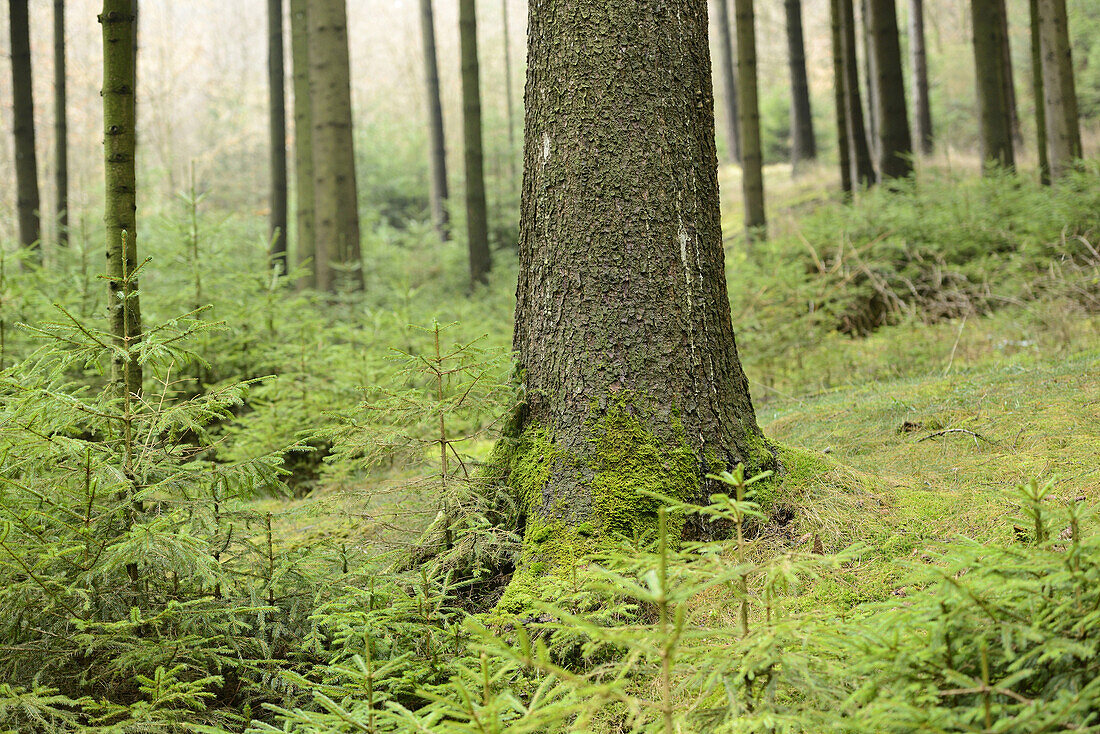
[[840, 98], [729, 80], [276, 81], [993, 102], [1063, 127], [303, 139], [863, 170], [120, 181], [1009, 76], [509, 101], [1039, 96], [752, 158], [895, 144], [477, 226], [922, 108], [438, 151], [61, 127], [623, 328], [26, 160], [870, 75], [336, 208], [134, 71], [803, 145]]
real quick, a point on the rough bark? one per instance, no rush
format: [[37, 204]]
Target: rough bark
[[803, 146], [895, 145], [729, 80], [993, 103], [477, 224], [61, 126], [437, 154], [336, 207], [623, 328], [1037, 94], [922, 108], [839, 97], [1060, 95], [752, 158], [276, 81], [26, 160], [863, 169], [120, 209], [303, 140]]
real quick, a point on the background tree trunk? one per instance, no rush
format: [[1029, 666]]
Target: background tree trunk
[[510, 105], [1037, 93], [277, 111], [303, 140], [335, 198], [895, 144], [1063, 127], [729, 80], [1009, 77], [61, 127], [993, 103], [839, 98], [437, 146], [863, 170], [922, 109], [803, 146], [623, 326], [477, 226], [120, 181], [752, 158], [26, 160], [870, 75]]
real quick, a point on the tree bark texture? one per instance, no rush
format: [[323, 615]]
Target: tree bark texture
[[437, 147], [477, 221], [863, 169], [1060, 95], [1038, 95], [729, 80], [993, 103], [26, 160], [61, 127], [869, 75], [922, 108], [303, 140], [120, 209], [335, 198], [276, 80], [803, 146], [752, 157], [895, 144], [839, 97], [1009, 78]]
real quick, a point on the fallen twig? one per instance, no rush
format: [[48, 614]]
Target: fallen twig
[[957, 430]]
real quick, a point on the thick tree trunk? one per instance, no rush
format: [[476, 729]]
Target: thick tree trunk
[[895, 144], [277, 126], [803, 146], [1009, 76], [61, 126], [477, 225], [922, 109], [993, 102], [1037, 93], [623, 328], [303, 140], [863, 170], [752, 157], [120, 181], [729, 80], [336, 208], [1063, 127], [839, 97], [437, 147], [26, 160]]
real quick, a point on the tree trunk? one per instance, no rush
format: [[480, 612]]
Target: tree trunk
[[895, 144], [863, 170], [26, 160], [303, 140], [752, 158], [1063, 127], [1009, 77], [623, 328], [870, 75], [922, 108], [437, 146], [120, 181], [803, 146], [729, 80], [277, 89], [993, 103], [61, 127], [839, 97], [477, 226], [1037, 93], [509, 100], [336, 207]]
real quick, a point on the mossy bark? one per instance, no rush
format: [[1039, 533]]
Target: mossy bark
[[477, 221], [303, 139], [863, 169], [276, 81], [729, 80], [918, 57], [26, 160], [895, 145], [803, 145], [623, 330], [843, 148], [1060, 96], [752, 155], [61, 126], [993, 103], [437, 147]]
